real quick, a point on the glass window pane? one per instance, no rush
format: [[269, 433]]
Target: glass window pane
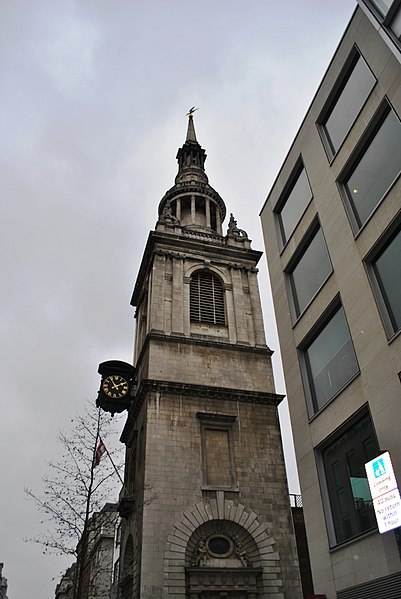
[[396, 23], [310, 272], [382, 6], [297, 200], [377, 169], [344, 464], [352, 98], [331, 360], [388, 271]]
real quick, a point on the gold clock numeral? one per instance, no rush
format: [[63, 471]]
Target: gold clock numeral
[[115, 386]]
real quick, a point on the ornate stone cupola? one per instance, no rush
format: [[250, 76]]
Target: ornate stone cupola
[[195, 280], [192, 202]]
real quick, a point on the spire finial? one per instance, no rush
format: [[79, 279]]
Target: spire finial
[[191, 135], [191, 111]]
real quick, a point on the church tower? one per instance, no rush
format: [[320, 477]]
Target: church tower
[[205, 502]]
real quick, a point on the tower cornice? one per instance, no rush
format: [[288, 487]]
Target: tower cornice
[[214, 246], [188, 390], [204, 341]]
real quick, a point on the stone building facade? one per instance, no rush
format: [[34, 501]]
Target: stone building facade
[[99, 559], [205, 503], [3, 583], [332, 229], [98, 567], [65, 588]]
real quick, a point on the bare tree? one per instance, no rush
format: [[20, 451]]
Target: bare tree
[[75, 488]]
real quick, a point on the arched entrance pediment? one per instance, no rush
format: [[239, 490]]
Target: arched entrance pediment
[[219, 546]]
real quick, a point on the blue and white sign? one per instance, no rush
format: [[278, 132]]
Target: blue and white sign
[[385, 493], [379, 468], [388, 511]]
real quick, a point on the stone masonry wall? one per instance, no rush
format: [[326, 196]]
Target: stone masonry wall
[[174, 470], [212, 365]]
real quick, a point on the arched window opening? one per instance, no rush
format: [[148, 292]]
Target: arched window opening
[[200, 211], [186, 217], [213, 218], [207, 298]]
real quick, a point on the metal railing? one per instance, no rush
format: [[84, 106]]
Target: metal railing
[[296, 500]]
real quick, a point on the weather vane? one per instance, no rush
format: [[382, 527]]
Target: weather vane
[[191, 111]]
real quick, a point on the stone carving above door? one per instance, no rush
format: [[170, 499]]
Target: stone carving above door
[[217, 547]]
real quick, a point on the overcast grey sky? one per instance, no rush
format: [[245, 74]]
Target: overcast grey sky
[[94, 96]]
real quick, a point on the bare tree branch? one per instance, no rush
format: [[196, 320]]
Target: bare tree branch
[[76, 489]]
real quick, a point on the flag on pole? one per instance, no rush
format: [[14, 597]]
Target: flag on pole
[[100, 450]]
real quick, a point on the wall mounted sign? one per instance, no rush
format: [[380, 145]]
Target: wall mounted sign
[[385, 492]]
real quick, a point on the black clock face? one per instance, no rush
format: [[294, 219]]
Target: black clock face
[[115, 386]]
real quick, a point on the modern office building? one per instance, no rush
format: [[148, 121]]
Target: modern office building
[[332, 229]]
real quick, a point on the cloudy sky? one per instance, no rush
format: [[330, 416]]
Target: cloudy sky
[[94, 96]]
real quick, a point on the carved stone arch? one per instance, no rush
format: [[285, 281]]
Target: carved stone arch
[[243, 549], [208, 513], [219, 272]]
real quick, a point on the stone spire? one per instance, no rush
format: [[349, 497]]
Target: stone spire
[[191, 135], [192, 202], [191, 157]]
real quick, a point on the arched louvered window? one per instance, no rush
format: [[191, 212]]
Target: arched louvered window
[[206, 298]]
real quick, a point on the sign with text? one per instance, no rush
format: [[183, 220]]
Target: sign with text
[[385, 493]]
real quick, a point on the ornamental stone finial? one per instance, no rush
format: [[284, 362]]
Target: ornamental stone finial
[[233, 230]]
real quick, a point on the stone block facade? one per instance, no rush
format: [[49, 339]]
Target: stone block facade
[[205, 500]]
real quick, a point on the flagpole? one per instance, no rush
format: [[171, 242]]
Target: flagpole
[[114, 466]]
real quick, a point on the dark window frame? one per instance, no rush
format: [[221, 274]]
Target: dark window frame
[[393, 31], [387, 22], [388, 17], [379, 293], [395, 6], [296, 258], [310, 394], [344, 76], [336, 435], [354, 160], [292, 180]]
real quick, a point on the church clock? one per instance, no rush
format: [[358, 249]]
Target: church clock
[[116, 386]]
